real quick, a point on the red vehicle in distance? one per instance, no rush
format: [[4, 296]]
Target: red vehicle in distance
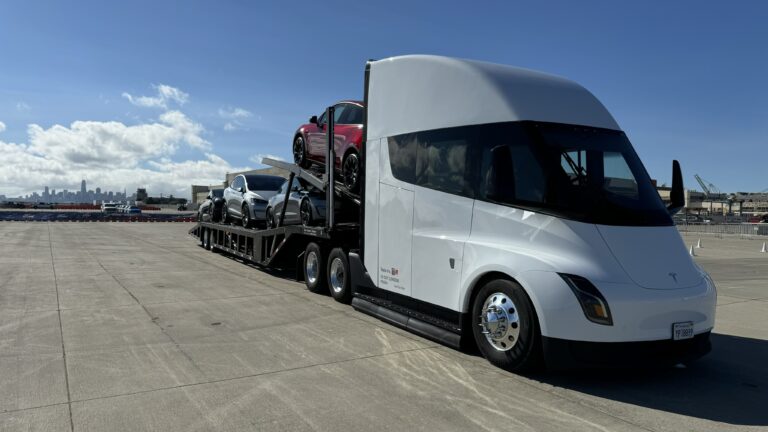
[[309, 142]]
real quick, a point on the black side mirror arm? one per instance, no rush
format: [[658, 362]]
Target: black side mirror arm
[[677, 194]]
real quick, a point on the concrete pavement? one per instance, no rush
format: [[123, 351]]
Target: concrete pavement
[[134, 327]]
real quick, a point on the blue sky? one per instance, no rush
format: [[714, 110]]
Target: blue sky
[[684, 79]]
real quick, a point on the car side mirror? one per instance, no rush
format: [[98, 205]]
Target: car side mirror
[[313, 119], [241, 189], [677, 194]]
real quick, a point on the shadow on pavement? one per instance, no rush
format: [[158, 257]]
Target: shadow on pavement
[[729, 385]]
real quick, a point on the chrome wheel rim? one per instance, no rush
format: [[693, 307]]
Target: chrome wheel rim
[[500, 322], [351, 167], [312, 267], [337, 275], [298, 150]]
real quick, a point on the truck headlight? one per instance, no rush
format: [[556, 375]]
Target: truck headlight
[[593, 303]]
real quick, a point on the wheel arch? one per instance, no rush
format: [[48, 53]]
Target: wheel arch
[[482, 278]]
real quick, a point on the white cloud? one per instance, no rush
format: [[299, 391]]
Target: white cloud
[[111, 155], [165, 94], [21, 106], [258, 157], [235, 117], [2, 126], [234, 113]]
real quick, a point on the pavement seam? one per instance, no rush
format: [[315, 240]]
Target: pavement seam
[[260, 374], [61, 332]]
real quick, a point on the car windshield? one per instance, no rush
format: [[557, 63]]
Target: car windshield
[[578, 172], [264, 183]]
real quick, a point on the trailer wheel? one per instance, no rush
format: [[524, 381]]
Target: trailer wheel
[[505, 326], [338, 276], [202, 237], [314, 268]]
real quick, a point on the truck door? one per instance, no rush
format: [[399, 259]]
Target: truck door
[[442, 219]]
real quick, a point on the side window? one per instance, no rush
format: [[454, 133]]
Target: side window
[[619, 179], [239, 183], [441, 165], [511, 172], [321, 119], [433, 159], [353, 115], [339, 113], [402, 157]]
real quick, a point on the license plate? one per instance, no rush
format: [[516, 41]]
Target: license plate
[[683, 330]]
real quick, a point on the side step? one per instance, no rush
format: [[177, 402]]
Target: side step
[[409, 323]]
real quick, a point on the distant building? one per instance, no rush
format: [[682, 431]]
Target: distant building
[[141, 194]]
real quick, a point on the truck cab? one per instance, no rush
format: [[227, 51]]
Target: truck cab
[[505, 207]]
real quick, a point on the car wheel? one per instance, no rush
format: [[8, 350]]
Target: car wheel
[[305, 211], [314, 268], [505, 326], [350, 171], [212, 213], [300, 152], [224, 213], [338, 276], [245, 217]]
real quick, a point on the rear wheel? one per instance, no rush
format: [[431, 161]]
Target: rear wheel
[[305, 211], [350, 171], [338, 276], [314, 268], [207, 239], [224, 214], [505, 326], [300, 152]]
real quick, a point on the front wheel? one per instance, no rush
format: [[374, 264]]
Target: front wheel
[[246, 216], [505, 326], [338, 276], [350, 171], [270, 218], [305, 211]]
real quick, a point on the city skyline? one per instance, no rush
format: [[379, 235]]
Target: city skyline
[[66, 195]]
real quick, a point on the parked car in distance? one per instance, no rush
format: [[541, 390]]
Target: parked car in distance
[[309, 141], [133, 210], [247, 196], [210, 209], [109, 208], [306, 205]]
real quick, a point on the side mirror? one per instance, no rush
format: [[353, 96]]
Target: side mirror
[[313, 119], [677, 194], [241, 189]]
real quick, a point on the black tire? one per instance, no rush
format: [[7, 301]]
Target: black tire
[[305, 212], [206, 239], [245, 216], [212, 212], [224, 213], [350, 171], [202, 238], [315, 277], [300, 152], [525, 354], [270, 218], [338, 276]]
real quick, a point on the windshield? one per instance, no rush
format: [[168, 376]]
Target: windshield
[[264, 183], [583, 173]]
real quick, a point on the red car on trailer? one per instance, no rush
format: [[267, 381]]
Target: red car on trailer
[[309, 141]]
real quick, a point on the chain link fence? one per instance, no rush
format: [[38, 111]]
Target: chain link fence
[[742, 229]]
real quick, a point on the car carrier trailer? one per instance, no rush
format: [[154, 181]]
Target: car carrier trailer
[[500, 208]]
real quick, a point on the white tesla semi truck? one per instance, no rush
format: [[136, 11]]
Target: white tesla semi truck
[[505, 208]]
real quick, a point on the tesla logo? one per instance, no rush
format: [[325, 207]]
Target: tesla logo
[[673, 275]]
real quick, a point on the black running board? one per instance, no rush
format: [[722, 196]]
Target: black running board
[[409, 323]]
